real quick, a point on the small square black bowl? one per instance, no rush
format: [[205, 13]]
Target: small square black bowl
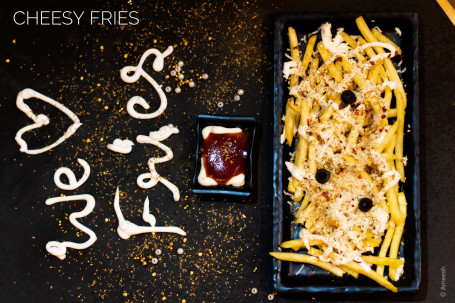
[[246, 124]]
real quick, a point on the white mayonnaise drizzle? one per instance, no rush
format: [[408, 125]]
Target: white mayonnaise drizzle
[[121, 146], [219, 130], [137, 71], [72, 182], [58, 249], [203, 179], [127, 228], [41, 120], [153, 177]]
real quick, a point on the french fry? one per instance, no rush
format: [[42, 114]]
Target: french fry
[[325, 54], [314, 64], [392, 113], [299, 215], [387, 137], [308, 53], [387, 97], [354, 134], [330, 110], [372, 275], [400, 134], [301, 258], [299, 244], [395, 245], [385, 246], [289, 123], [374, 72], [295, 53], [385, 261]]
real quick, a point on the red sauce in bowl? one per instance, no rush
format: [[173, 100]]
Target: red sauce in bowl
[[225, 155]]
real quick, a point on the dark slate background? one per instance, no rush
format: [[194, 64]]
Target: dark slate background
[[226, 251]]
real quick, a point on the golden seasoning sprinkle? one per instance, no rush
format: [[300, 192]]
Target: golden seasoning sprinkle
[[82, 78], [14, 41], [98, 84], [7, 61], [125, 56], [125, 294]]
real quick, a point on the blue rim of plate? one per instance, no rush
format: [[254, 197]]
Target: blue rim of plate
[[245, 123], [312, 279]]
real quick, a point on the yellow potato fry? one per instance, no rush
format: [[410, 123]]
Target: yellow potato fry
[[387, 137], [295, 52], [393, 206], [301, 258], [394, 247], [385, 246], [392, 113], [311, 160], [349, 271], [299, 244], [361, 82], [374, 72], [329, 111], [354, 134], [348, 39], [308, 52], [325, 54], [372, 275], [299, 215], [385, 261], [314, 64], [289, 123], [388, 156], [387, 97], [400, 134]]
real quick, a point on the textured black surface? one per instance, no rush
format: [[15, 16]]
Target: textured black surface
[[292, 277], [233, 238]]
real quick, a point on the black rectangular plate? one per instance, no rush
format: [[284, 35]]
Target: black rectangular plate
[[291, 277], [246, 124]]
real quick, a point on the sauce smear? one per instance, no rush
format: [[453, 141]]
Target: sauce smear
[[225, 155]]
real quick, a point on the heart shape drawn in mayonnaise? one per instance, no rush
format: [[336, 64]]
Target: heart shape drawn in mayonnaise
[[41, 120]]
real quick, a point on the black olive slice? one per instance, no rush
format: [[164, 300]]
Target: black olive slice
[[348, 97], [322, 175], [365, 204]]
